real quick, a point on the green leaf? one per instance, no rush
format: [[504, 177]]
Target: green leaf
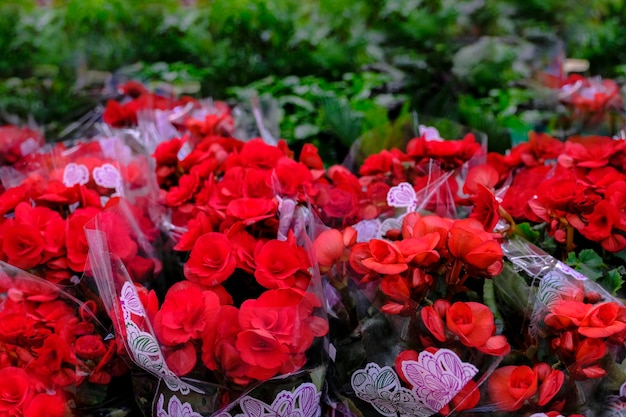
[[527, 232], [613, 280], [588, 262], [590, 258], [490, 301]]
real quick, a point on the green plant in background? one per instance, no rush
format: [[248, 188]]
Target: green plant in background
[[331, 115], [466, 60]]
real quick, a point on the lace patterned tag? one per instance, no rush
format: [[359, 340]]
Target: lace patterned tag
[[402, 196], [435, 380], [304, 401], [143, 346], [175, 408], [616, 404]]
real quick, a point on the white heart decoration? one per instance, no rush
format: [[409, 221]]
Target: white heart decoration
[[107, 176], [75, 174]]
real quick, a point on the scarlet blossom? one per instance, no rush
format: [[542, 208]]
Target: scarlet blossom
[[219, 351], [56, 193], [244, 245], [211, 260], [183, 192], [420, 251], [143, 269], [375, 164], [589, 151], [18, 142], [120, 115], [183, 315], [416, 225], [484, 175], [329, 248], [119, 234], [252, 210], [586, 364], [398, 292], [551, 381], [309, 156], [603, 320], [90, 347], [450, 153], [468, 241], [181, 360], [76, 239], [590, 95], [10, 198], [14, 388], [261, 348], [149, 301], [52, 360], [486, 209], [333, 245], [378, 256], [566, 314], [540, 148], [602, 226], [22, 245], [255, 154], [292, 176], [565, 342], [522, 190], [196, 227], [434, 320], [281, 264], [473, 324], [46, 405], [287, 314], [14, 326], [337, 203], [510, 386]]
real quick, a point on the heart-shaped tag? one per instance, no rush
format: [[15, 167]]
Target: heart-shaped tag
[[75, 174], [107, 176]]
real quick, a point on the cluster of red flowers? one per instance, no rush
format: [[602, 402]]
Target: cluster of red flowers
[[49, 198], [409, 264], [513, 387], [182, 112], [576, 186], [244, 304], [50, 348], [590, 95], [430, 164], [470, 323], [18, 142], [582, 329]]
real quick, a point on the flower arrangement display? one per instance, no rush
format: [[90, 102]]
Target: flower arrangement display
[[566, 196], [433, 167], [18, 142], [428, 301], [207, 274], [54, 338], [50, 196], [241, 318], [585, 104], [56, 357]]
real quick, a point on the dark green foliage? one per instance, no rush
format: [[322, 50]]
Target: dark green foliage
[[469, 61]]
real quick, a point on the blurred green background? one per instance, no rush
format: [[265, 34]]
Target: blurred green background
[[331, 69]]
